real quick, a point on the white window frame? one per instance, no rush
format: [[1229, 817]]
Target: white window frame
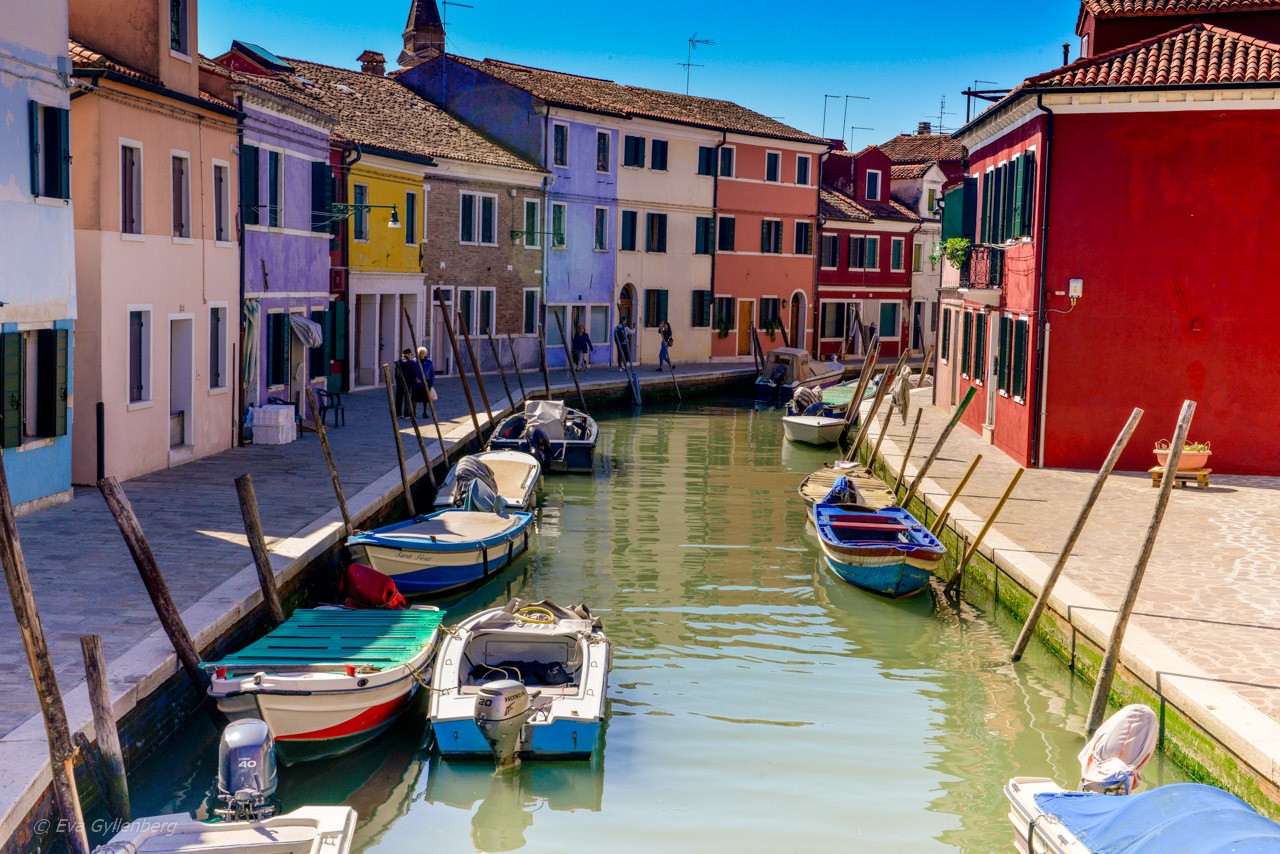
[[898, 241], [822, 239], [537, 309], [720, 218], [493, 310], [552, 158], [767, 154], [608, 138], [733, 164], [477, 219], [140, 190], [226, 202], [551, 231], [809, 160], [795, 231], [873, 257], [879, 185], [536, 232], [781, 246], [596, 231], [148, 358], [223, 350], [185, 156]]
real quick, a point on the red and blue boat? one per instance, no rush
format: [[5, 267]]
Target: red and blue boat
[[884, 551]]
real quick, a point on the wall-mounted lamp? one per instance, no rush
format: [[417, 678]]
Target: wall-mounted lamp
[[339, 211]]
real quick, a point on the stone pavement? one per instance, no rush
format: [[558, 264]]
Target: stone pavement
[[86, 583]]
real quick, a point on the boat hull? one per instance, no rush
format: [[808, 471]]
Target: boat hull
[[895, 579], [812, 429], [570, 456], [304, 831], [885, 551], [561, 739]]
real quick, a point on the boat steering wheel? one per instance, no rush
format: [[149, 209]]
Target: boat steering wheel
[[535, 614]]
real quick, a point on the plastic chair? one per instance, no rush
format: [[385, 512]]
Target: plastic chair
[[331, 401]]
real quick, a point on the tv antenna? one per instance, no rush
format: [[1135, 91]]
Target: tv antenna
[[688, 63], [845, 122], [943, 111], [826, 98], [444, 14], [989, 95], [852, 128]]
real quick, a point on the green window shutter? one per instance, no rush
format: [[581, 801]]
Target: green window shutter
[[33, 150], [980, 346], [1018, 192], [966, 342], [946, 334], [249, 184], [988, 180], [10, 390], [1021, 333], [321, 195], [662, 305], [51, 396], [1029, 192], [339, 351], [63, 118]]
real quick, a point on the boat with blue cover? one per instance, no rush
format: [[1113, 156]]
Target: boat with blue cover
[[885, 551]]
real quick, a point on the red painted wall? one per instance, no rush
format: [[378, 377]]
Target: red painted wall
[[1166, 217], [884, 284], [1110, 33]]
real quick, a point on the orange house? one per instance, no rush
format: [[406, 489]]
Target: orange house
[[766, 222]]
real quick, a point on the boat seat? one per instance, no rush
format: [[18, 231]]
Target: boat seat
[[869, 526]]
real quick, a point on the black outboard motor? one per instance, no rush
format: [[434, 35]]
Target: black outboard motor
[[539, 445], [247, 771], [779, 374]]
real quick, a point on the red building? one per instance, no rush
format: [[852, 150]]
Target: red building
[[865, 250], [1121, 256], [1105, 25]]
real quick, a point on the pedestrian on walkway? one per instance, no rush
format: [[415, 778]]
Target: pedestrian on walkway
[[406, 371], [581, 348], [424, 380], [664, 332], [622, 343]]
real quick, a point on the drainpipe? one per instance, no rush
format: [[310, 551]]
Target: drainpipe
[[819, 222], [715, 221], [348, 147], [237, 411], [1042, 338]]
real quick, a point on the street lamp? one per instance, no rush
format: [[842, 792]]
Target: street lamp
[[339, 211]]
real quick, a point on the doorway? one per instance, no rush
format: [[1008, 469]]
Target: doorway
[[298, 353], [366, 349], [181, 381], [626, 304], [441, 351], [917, 326], [388, 334], [797, 325], [746, 314]]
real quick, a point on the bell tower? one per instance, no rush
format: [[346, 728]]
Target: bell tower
[[423, 34]]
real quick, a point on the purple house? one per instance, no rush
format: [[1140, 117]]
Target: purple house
[[289, 328]]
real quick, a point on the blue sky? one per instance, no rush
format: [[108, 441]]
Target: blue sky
[[767, 56]]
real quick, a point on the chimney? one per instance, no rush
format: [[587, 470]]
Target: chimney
[[372, 62], [924, 128]]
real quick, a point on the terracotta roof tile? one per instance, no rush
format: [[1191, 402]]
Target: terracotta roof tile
[[835, 205], [1144, 8], [923, 148], [605, 96], [83, 56], [910, 171], [1196, 54]]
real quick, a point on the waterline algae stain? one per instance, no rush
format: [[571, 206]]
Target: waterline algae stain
[[758, 702]]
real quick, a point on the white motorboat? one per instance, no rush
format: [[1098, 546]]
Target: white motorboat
[[812, 429], [513, 476], [527, 679]]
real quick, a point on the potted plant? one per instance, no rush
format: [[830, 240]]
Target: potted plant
[[953, 250], [771, 328], [1195, 455], [723, 327]]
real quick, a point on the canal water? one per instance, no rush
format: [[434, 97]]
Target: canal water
[[758, 703]]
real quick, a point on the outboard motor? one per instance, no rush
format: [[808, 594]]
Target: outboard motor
[[468, 471], [502, 708], [246, 771], [539, 445], [779, 375], [1110, 762]]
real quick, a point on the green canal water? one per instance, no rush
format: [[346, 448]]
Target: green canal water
[[758, 703]]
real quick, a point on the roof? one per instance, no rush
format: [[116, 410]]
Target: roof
[[1195, 54], [1144, 8], [835, 205], [379, 113], [910, 171], [605, 96], [923, 148], [83, 56]]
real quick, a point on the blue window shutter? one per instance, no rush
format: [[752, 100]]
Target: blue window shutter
[[249, 184], [33, 147]]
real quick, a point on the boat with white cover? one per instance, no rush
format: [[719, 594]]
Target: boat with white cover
[[526, 679], [513, 475], [812, 429], [562, 437], [788, 368]]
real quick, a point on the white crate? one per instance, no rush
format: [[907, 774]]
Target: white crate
[[271, 434], [274, 415]]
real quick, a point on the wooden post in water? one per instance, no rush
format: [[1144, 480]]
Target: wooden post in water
[[457, 360], [924, 368], [502, 372], [395, 431], [417, 430], [676, 383], [911, 443], [1111, 658], [43, 679], [865, 429], [333, 468], [515, 364], [918, 480], [1029, 628], [573, 369], [542, 348], [157, 589], [258, 545], [941, 520], [104, 725], [475, 366], [864, 379], [953, 586], [884, 431]]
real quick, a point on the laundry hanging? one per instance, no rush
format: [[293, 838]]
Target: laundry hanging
[[310, 333]]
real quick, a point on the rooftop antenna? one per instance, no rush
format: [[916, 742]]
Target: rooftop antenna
[[943, 111], [845, 122], [852, 128], [444, 14], [688, 63], [969, 96], [826, 98]]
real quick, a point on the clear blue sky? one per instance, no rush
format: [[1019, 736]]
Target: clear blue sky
[[777, 58]]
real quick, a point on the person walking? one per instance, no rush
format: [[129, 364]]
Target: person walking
[[622, 341], [581, 348], [664, 332], [406, 371], [424, 387]]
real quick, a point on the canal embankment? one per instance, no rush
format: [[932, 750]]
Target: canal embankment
[[85, 581], [1201, 648]]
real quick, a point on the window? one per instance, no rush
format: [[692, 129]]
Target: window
[[558, 214], [275, 189], [530, 326], [598, 324], [602, 151], [322, 197], [932, 205], [559, 145], [465, 310], [181, 204], [725, 236], [277, 348], [889, 320], [655, 233], [318, 357], [1027, 182], [627, 240], [249, 211], [485, 321], [703, 235], [1021, 334], [726, 161], [803, 162], [897, 249], [772, 166], [804, 238], [139, 356], [218, 347], [410, 218], [478, 220], [221, 204], [830, 251], [980, 346], [360, 198], [33, 385], [858, 256], [49, 144], [701, 314], [873, 184], [658, 156], [178, 28], [872, 259], [602, 230], [770, 311], [532, 223], [771, 236], [833, 317], [655, 307], [131, 189], [945, 354], [966, 344], [633, 151], [917, 257], [726, 312], [706, 160], [1004, 353]]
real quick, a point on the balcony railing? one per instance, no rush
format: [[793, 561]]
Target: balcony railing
[[984, 269]]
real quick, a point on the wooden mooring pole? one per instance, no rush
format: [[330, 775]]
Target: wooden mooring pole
[[104, 725], [1029, 628], [918, 480], [855, 403], [333, 468], [865, 429], [43, 679], [502, 372], [941, 520], [573, 369], [675, 382], [1111, 658], [157, 589], [542, 348], [924, 368], [395, 431], [953, 586], [911, 444], [457, 360], [515, 366], [475, 367], [258, 545], [417, 429]]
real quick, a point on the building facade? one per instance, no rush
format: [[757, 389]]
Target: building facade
[[157, 255], [38, 298]]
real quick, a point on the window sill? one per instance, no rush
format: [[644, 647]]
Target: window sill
[[979, 383], [134, 238], [224, 244], [1003, 393], [141, 404], [183, 241], [177, 54], [214, 392], [1019, 400], [598, 249], [51, 202], [36, 444]]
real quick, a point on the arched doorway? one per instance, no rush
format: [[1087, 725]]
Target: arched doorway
[[626, 304], [797, 325]]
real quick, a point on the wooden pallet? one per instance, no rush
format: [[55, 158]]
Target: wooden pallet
[[1182, 478], [815, 487]]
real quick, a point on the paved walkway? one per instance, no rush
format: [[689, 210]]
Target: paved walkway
[[86, 583]]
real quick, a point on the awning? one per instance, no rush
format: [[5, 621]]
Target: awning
[[310, 333]]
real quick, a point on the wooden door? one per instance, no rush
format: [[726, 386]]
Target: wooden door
[[746, 312]]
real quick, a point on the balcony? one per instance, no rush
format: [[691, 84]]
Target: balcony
[[984, 270]]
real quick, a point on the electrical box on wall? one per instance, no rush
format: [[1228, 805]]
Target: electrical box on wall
[[1075, 289]]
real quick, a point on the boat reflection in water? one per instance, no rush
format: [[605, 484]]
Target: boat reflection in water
[[507, 800]]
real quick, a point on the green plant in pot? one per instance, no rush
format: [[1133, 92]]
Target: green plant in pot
[[953, 250], [771, 328], [1195, 455], [723, 327]]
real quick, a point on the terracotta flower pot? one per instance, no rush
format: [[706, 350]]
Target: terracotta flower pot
[[1189, 461]]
